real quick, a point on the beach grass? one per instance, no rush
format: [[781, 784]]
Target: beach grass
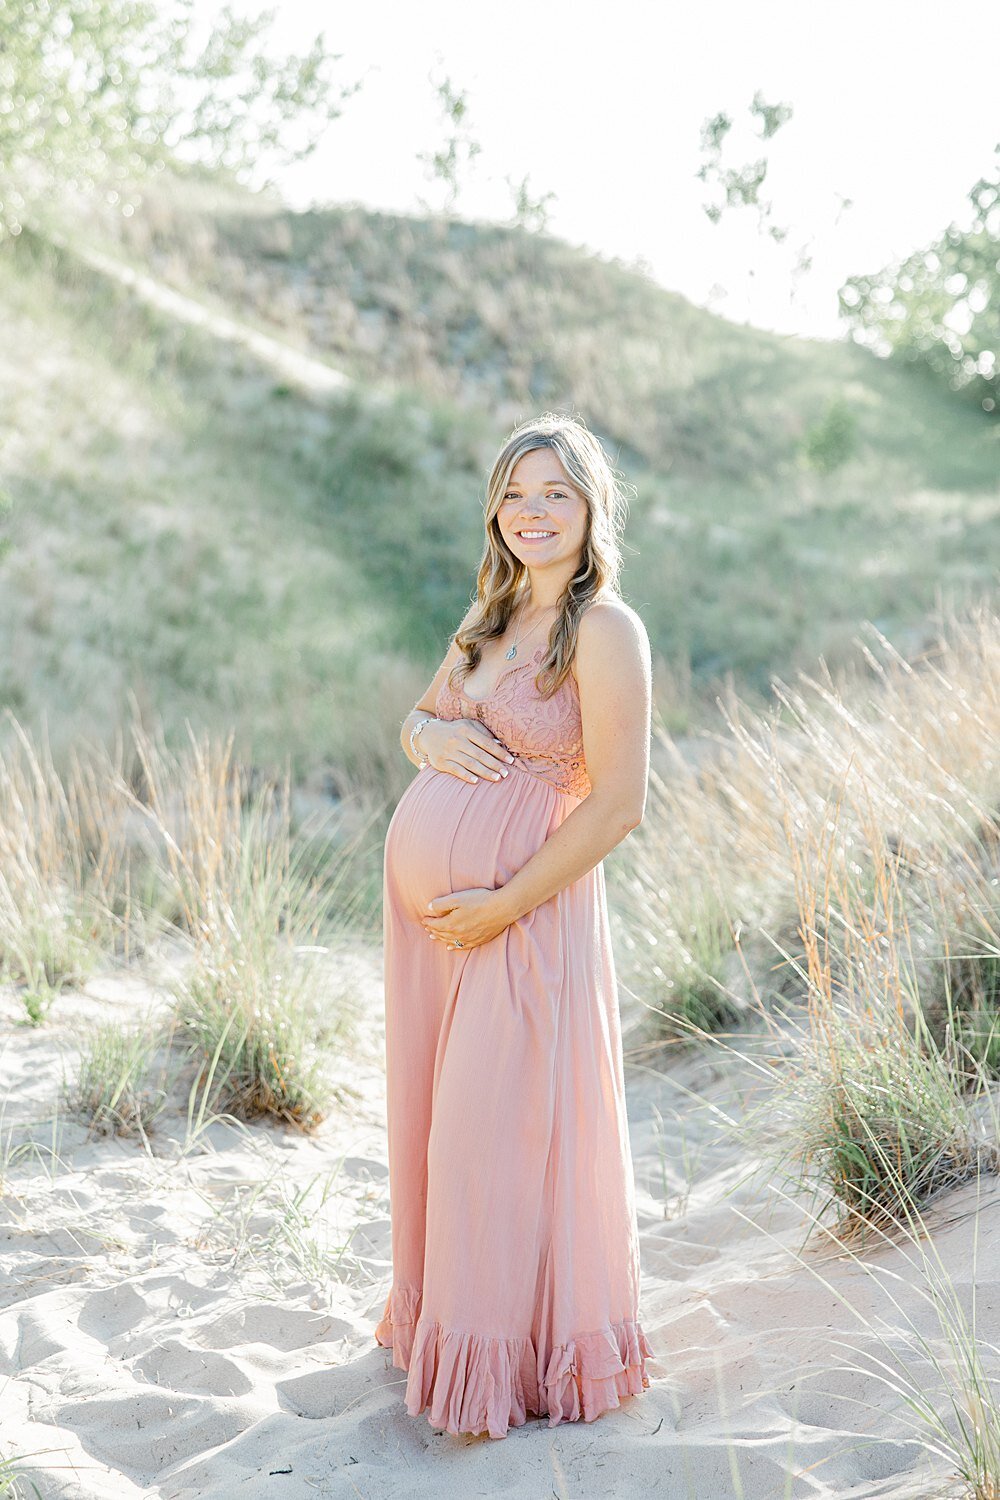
[[286, 1232], [113, 1090], [853, 831], [256, 1008], [16, 1482], [883, 1122], [61, 861]]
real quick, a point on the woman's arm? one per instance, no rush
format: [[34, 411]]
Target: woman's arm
[[614, 676], [428, 698]]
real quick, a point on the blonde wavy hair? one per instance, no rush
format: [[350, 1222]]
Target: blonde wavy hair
[[502, 576]]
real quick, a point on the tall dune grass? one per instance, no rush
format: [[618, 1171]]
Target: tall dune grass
[[888, 797], [258, 1007], [830, 874], [100, 859], [851, 838], [963, 1013], [62, 854], [880, 1115], [921, 737]]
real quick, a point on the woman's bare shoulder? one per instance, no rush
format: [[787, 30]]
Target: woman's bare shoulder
[[611, 607], [611, 624], [611, 633]]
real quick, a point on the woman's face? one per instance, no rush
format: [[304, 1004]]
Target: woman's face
[[540, 497]]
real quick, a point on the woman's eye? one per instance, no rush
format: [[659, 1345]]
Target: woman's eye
[[558, 493]]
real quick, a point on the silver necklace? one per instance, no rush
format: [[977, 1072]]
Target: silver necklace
[[509, 655]]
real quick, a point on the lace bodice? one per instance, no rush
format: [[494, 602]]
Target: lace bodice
[[545, 735]]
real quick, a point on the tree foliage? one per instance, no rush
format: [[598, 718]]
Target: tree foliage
[[942, 304], [531, 211], [739, 187], [460, 148], [93, 92]]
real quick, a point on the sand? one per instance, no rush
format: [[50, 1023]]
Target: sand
[[142, 1352]]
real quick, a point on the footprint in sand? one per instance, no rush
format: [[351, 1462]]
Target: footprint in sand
[[193, 1371], [112, 1311], [283, 1328]]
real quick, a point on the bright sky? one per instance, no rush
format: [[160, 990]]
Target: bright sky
[[894, 108]]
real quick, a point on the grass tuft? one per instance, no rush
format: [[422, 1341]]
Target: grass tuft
[[111, 1090]]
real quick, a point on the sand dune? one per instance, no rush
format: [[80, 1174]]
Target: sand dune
[[175, 1324]]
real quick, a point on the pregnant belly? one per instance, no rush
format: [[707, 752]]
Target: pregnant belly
[[449, 835]]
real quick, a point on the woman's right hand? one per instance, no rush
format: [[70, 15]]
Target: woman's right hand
[[464, 748]]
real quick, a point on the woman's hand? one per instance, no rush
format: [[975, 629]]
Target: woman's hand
[[471, 917], [464, 748]]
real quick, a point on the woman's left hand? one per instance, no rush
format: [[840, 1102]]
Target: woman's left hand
[[470, 917]]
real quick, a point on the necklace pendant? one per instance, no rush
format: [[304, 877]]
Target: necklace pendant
[[511, 653]]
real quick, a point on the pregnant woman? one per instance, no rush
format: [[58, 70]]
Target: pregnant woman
[[515, 1251]]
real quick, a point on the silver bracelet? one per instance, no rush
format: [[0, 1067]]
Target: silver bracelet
[[422, 760]]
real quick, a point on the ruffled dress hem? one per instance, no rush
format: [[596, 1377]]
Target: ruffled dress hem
[[396, 1327], [476, 1383]]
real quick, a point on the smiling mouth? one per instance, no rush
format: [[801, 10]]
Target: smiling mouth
[[533, 535]]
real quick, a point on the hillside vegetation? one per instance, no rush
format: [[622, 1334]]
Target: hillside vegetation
[[181, 521]]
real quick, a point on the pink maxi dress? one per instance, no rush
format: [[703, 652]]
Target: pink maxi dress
[[515, 1247]]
